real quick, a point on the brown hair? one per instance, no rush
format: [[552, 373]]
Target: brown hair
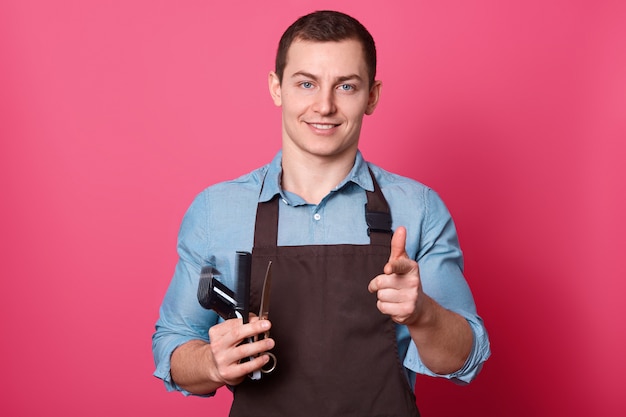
[[327, 26]]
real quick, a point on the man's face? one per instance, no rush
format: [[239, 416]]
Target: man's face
[[324, 94]]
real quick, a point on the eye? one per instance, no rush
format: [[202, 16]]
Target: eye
[[346, 87], [306, 84]]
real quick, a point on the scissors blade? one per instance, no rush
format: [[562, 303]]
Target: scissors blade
[[265, 295]]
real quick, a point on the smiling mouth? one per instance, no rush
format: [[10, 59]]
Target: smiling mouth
[[323, 126]]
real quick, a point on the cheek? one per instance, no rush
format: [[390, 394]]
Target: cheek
[[293, 107], [356, 118], [354, 109]]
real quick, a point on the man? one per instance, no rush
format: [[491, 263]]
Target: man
[[356, 311]]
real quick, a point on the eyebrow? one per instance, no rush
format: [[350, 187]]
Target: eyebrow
[[337, 80]]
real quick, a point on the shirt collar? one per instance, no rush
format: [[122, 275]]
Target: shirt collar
[[359, 175]]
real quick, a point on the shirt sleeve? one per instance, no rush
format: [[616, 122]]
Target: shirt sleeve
[[441, 270], [181, 318]]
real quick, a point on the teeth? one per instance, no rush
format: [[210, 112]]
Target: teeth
[[322, 126]]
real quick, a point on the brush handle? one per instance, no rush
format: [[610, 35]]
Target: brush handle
[[242, 289]]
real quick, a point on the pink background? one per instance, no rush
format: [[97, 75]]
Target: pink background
[[114, 114]]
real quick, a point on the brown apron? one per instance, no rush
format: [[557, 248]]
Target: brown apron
[[337, 354]]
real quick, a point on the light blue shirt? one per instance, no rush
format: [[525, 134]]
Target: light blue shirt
[[221, 219]]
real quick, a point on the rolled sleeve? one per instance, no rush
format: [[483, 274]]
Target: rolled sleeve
[[479, 354], [163, 346]]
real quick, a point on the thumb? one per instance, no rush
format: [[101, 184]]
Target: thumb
[[399, 261], [398, 245]]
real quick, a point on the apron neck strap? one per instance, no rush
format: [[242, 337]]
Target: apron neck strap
[[378, 216]]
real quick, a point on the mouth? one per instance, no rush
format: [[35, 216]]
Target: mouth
[[323, 126]]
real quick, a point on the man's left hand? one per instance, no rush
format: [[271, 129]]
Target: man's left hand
[[399, 289]]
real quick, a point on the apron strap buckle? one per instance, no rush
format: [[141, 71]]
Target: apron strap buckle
[[377, 221]]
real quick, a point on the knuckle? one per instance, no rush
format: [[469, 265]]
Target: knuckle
[[213, 333]]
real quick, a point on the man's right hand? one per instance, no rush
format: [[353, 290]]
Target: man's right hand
[[230, 355], [201, 368]]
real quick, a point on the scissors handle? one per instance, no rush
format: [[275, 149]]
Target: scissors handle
[[271, 365]]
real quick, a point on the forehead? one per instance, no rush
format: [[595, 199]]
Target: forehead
[[335, 57]]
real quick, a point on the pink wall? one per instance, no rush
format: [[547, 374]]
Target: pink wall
[[114, 114]]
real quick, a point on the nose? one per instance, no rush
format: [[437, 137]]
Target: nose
[[324, 103]]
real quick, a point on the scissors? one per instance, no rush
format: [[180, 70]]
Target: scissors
[[264, 312]]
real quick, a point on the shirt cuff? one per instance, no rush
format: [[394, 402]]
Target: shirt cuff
[[163, 367], [479, 354]]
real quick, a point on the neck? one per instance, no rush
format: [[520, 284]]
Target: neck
[[313, 178]]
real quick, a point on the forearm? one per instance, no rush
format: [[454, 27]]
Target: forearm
[[192, 366], [443, 338]]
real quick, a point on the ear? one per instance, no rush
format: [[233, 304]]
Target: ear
[[274, 85], [374, 96]]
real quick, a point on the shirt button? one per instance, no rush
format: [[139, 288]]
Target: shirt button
[[317, 216]]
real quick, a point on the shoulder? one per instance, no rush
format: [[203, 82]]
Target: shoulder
[[420, 209], [229, 193], [227, 198], [221, 217], [409, 198], [247, 183], [392, 183]]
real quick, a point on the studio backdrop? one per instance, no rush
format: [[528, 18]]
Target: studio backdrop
[[115, 114]]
